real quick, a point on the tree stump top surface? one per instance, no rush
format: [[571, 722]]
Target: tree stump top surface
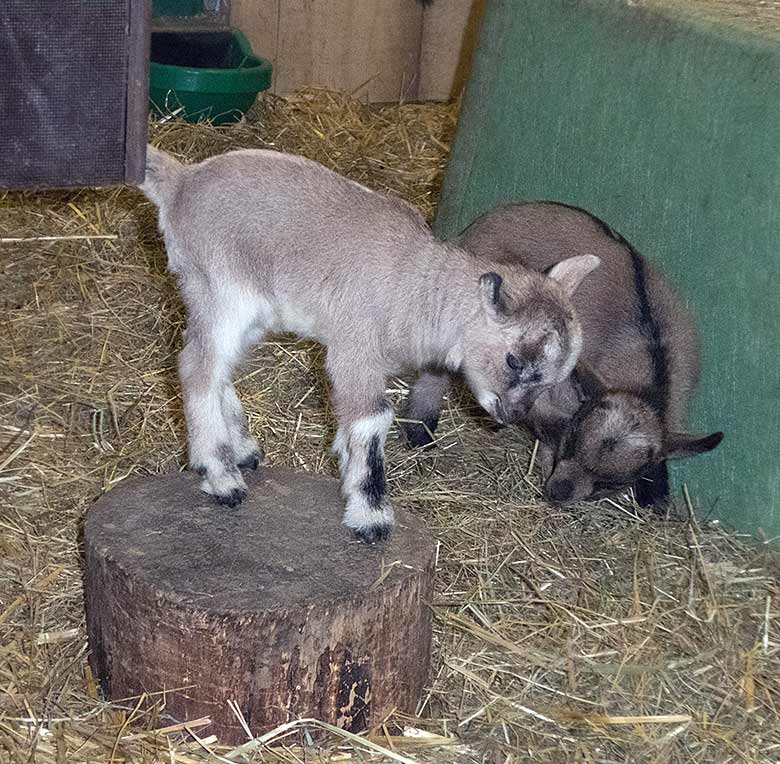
[[283, 547]]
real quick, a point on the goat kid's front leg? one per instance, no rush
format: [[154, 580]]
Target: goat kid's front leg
[[360, 447], [204, 374], [545, 458], [248, 454]]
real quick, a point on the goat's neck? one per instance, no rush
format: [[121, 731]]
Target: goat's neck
[[452, 304]]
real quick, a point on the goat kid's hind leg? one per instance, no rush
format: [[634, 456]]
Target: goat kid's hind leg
[[211, 352], [362, 461], [364, 419], [424, 407]]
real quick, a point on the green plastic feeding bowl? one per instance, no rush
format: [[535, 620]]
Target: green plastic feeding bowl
[[205, 75]]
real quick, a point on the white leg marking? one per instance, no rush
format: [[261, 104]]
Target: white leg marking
[[244, 445], [215, 421], [368, 511], [339, 447]]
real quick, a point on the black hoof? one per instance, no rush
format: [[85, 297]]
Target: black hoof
[[252, 462], [417, 436], [232, 499], [373, 533]]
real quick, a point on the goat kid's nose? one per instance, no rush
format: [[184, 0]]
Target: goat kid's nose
[[560, 490]]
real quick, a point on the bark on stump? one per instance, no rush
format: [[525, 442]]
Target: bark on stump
[[272, 605]]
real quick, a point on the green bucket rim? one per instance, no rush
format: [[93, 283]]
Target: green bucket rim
[[247, 79]]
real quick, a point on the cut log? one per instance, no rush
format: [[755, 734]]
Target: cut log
[[272, 605]]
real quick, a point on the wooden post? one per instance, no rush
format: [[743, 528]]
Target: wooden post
[[272, 605]]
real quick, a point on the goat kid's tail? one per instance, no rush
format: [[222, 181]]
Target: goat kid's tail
[[162, 173]]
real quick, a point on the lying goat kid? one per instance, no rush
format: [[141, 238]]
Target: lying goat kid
[[267, 242], [613, 423]]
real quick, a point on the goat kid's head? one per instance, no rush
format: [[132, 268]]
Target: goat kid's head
[[525, 337], [615, 440]]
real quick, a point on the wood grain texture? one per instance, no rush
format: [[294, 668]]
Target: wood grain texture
[[259, 21], [667, 126], [449, 38], [369, 49], [272, 605], [137, 112]]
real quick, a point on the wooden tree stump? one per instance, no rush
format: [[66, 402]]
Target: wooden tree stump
[[272, 605]]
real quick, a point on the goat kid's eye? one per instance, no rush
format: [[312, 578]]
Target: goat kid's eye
[[513, 362]]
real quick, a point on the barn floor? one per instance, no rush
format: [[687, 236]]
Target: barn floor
[[596, 634]]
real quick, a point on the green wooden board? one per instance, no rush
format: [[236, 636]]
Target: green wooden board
[[667, 126]]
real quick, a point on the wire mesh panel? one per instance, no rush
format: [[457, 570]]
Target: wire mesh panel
[[74, 92]]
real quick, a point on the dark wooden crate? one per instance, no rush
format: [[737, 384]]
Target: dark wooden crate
[[74, 92]]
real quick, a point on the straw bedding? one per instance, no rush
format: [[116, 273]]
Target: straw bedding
[[592, 634]]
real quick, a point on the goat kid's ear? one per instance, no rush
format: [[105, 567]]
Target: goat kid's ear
[[592, 384], [491, 294], [680, 445], [569, 273]]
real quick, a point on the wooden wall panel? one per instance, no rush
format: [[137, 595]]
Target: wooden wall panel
[[449, 36], [259, 21], [369, 48]]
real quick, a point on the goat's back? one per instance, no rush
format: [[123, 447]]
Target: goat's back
[[292, 200], [288, 224]]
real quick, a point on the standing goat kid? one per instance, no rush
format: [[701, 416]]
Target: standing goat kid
[[267, 242], [615, 421]]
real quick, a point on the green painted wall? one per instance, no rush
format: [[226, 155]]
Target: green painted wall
[[669, 129], [177, 7]]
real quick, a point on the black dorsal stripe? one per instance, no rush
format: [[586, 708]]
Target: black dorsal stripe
[[651, 331], [657, 394]]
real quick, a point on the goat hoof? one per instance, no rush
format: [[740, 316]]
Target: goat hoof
[[417, 436], [370, 534], [232, 499], [252, 462]]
